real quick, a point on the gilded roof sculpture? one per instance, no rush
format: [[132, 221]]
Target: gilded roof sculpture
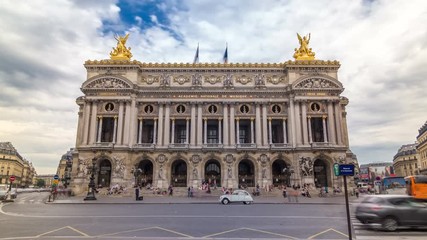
[[304, 52], [121, 52]]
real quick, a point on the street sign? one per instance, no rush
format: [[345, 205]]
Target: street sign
[[12, 178], [55, 182], [56, 177], [336, 169], [346, 170]]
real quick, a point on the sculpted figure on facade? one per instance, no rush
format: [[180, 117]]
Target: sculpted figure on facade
[[160, 175], [229, 158], [165, 80], [229, 172], [195, 173], [82, 168], [304, 52], [260, 80], [161, 158], [108, 83], [195, 159], [264, 173], [306, 166], [119, 167], [121, 52]]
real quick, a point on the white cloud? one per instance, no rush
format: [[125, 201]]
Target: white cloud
[[382, 46]]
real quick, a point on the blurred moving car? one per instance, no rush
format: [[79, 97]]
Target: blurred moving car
[[392, 211], [236, 196], [4, 188]]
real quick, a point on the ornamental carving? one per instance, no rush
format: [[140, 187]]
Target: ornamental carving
[[161, 158], [228, 80], [212, 79], [196, 79], [259, 80], [229, 158], [244, 79], [263, 159], [83, 167], [165, 80], [195, 159], [316, 83], [275, 79], [108, 82], [181, 79], [150, 79]]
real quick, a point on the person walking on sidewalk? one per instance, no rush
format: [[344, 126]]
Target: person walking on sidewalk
[[137, 193]]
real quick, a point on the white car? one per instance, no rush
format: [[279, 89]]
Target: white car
[[236, 196]]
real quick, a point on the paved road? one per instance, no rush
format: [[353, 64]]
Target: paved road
[[29, 218]]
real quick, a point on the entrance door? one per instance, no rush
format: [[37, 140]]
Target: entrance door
[[213, 173], [146, 176], [179, 174], [246, 174], [280, 173], [104, 175], [320, 173]]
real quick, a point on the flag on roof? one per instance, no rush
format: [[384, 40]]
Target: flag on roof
[[196, 57], [225, 57]]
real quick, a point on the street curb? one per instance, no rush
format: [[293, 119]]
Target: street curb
[[170, 203]]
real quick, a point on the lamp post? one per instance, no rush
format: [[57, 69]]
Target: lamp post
[[91, 191]]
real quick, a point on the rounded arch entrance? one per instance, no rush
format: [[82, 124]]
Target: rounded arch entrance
[[246, 173], [146, 175], [179, 173], [104, 174], [281, 173], [320, 170], [213, 173]]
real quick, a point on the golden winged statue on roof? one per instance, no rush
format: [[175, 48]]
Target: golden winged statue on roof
[[304, 52], [121, 52]]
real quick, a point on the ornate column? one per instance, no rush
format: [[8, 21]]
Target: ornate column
[[205, 131], [258, 132], [219, 131], [270, 132], [225, 123], [187, 130], [252, 131], [298, 123], [325, 136], [86, 117], [232, 126], [291, 120], [120, 124], [193, 125], [167, 125], [139, 130], [173, 131], [160, 126], [155, 131], [285, 134], [199, 125], [237, 130], [115, 130], [310, 135], [338, 123], [264, 125], [127, 124], [93, 122], [304, 122], [331, 129], [133, 123], [98, 139]]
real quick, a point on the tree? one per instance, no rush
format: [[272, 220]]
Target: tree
[[41, 183]]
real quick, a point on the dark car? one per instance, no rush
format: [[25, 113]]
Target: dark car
[[392, 211]]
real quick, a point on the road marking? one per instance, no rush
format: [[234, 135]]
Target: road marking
[[182, 234], [58, 229], [215, 234], [127, 231], [272, 233], [327, 230]]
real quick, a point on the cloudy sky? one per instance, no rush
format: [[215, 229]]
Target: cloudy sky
[[382, 47]]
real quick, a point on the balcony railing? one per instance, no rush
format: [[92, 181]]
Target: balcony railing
[[246, 145], [144, 145], [212, 145], [279, 145], [104, 144], [178, 145], [320, 144]]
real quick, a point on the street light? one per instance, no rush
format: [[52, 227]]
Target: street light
[[91, 191]]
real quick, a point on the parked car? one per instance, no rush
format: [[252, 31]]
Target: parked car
[[392, 211], [236, 196]]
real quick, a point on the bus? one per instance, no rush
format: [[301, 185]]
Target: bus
[[393, 185], [416, 186]]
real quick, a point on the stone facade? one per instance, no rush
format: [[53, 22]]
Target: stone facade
[[422, 149], [13, 164], [405, 161], [233, 124]]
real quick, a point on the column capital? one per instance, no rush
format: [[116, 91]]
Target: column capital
[[115, 116], [187, 118], [324, 116], [284, 118], [269, 119], [237, 118], [99, 117], [309, 117], [252, 118], [172, 118], [155, 118], [220, 119], [205, 119]]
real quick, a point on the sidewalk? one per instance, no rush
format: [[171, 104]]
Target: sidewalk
[[103, 199]]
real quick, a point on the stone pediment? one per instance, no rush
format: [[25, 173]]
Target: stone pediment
[[106, 82], [317, 82]]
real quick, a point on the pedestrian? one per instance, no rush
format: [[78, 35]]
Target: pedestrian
[[188, 192], [137, 193], [284, 192], [356, 191], [191, 192]]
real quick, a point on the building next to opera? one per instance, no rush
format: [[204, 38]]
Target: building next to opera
[[230, 124]]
